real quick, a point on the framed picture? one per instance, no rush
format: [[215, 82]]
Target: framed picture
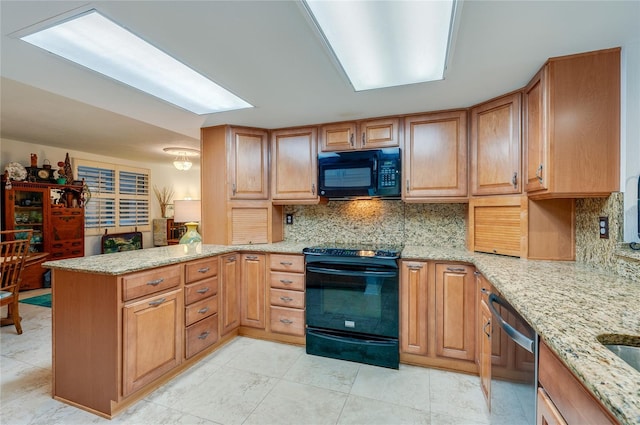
[[118, 242]]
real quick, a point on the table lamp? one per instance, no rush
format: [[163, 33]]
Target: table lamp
[[188, 212]]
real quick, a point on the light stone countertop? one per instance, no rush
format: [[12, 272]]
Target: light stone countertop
[[567, 303]]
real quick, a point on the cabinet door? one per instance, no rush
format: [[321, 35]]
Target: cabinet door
[[230, 294], [535, 131], [253, 298], [435, 156], [382, 133], [413, 307], [484, 353], [495, 147], [294, 163], [338, 137], [152, 339], [66, 233], [249, 164], [547, 413], [455, 311]]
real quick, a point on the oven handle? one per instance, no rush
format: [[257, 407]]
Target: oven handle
[[350, 272], [519, 338]]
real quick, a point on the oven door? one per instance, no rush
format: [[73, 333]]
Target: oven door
[[353, 299]]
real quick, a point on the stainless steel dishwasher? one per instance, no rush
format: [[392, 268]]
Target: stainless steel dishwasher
[[514, 369]]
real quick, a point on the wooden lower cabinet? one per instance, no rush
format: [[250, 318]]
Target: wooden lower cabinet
[[252, 289], [152, 339], [484, 351], [437, 315], [547, 413], [413, 307], [230, 290], [573, 403], [201, 305], [455, 311], [287, 297]]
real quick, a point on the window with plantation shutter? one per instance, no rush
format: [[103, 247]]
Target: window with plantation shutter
[[119, 197]]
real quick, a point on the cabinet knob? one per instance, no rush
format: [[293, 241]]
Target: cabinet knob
[[514, 180]]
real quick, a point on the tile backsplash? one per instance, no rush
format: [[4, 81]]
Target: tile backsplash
[[378, 221], [395, 222]]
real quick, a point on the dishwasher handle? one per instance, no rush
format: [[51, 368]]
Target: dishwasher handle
[[517, 336]]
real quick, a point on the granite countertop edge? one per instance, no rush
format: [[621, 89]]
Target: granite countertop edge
[[600, 303]]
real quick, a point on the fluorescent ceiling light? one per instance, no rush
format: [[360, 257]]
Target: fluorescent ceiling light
[[101, 45], [386, 43]]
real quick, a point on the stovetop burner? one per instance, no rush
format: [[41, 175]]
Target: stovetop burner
[[355, 250]]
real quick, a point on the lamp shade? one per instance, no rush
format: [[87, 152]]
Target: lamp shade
[[186, 211]]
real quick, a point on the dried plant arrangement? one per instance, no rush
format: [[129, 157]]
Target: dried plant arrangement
[[164, 198]]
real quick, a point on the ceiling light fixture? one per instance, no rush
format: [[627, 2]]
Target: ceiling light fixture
[[93, 41], [387, 43], [182, 161]]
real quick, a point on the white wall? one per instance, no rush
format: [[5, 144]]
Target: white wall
[[630, 138], [186, 184]]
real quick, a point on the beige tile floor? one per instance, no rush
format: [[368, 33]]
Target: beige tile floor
[[247, 381]]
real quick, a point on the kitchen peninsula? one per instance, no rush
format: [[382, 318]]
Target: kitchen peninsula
[[96, 301]]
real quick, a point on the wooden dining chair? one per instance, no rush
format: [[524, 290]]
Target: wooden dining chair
[[14, 247]]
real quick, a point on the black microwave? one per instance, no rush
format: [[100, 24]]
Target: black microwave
[[369, 173]]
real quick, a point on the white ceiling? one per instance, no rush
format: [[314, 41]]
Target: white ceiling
[[267, 53]]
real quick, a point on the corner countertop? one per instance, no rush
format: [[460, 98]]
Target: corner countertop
[[567, 303]]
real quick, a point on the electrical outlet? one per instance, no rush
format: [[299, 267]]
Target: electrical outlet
[[603, 224], [289, 219]]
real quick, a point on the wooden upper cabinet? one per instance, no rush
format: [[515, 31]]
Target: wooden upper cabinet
[[572, 126], [294, 165], [369, 134], [435, 157], [248, 164], [382, 133], [340, 136], [495, 146]]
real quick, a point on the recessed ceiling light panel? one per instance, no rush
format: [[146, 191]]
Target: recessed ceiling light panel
[[386, 43], [103, 46]]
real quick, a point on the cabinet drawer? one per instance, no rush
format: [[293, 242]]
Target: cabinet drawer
[[287, 263], [284, 298], [201, 335], [70, 248], [202, 269], [200, 310], [201, 290], [293, 281], [287, 321], [140, 284]]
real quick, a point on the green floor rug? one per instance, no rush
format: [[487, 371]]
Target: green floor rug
[[41, 300]]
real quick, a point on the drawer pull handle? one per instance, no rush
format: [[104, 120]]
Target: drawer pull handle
[[203, 310], [203, 270], [286, 299], [203, 290], [415, 266], [539, 174], [203, 335], [286, 282], [486, 325], [252, 257], [456, 269], [286, 321], [157, 302], [155, 282], [286, 263], [231, 259]]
